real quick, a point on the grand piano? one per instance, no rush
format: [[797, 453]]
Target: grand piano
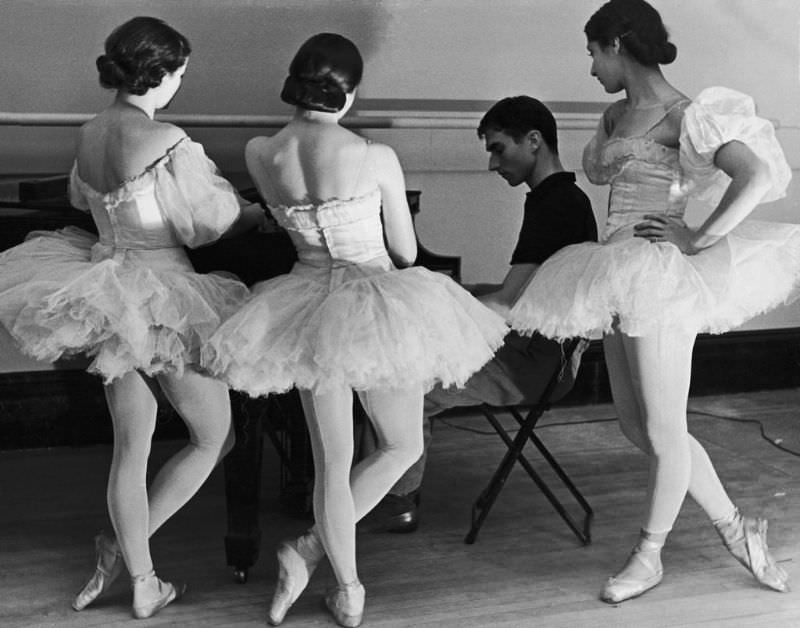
[[253, 256]]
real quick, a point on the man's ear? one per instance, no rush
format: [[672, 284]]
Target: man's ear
[[534, 139]]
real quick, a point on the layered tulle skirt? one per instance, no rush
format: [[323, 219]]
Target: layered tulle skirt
[[63, 293], [358, 326], [585, 288]]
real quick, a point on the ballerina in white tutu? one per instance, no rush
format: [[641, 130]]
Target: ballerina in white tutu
[[345, 318], [653, 283], [131, 300]]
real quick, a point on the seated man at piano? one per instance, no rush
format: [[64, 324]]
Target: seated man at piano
[[521, 138]]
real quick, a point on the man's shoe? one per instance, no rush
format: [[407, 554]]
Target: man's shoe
[[394, 513]]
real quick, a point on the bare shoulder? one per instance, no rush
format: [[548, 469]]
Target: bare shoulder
[[257, 146], [676, 110], [257, 151], [382, 154], [161, 136]]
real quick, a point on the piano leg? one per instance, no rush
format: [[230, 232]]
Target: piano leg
[[243, 485], [281, 418]]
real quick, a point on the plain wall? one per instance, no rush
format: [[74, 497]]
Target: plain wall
[[467, 52]]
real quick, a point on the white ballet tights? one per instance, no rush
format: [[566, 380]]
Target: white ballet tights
[[343, 494], [650, 379], [204, 406]]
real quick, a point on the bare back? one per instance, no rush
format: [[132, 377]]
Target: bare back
[[120, 144], [309, 163]]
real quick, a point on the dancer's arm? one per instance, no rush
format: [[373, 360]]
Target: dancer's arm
[[750, 181], [400, 238]]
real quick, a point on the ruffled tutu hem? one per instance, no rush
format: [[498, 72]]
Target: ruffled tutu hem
[[388, 329], [639, 286], [126, 316]]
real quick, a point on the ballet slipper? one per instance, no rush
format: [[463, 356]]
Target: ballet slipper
[[297, 560], [642, 571], [144, 604], [109, 566], [746, 539], [346, 604]]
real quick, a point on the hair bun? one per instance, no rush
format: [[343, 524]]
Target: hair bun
[[111, 75], [669, 53], [313, 94]]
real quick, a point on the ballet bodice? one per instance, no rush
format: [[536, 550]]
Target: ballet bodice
[[336, 232], [178, 200], [647, 177]]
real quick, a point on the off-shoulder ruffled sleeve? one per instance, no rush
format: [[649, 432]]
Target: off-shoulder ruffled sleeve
[[717, 116], [76, 196], [199, 203], [592, 162]]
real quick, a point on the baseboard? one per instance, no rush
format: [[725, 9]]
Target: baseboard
[[67, 407], [739, 361]]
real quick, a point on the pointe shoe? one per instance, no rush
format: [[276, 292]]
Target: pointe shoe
[[746, 539], [166, 593], [646, 559], [297, 560], [109, 566], [346, 604]]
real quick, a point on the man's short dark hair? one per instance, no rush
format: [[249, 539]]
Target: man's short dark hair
[[518, 115]]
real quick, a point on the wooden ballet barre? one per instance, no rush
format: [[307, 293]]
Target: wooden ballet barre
[[566, 122]]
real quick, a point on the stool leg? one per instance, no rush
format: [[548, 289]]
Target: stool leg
[[484, 503]]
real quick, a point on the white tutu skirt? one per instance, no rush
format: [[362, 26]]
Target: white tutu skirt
[[585, 288], [144, 310], [355, 326]]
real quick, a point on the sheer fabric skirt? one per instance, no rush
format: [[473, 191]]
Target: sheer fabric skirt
[[63, 293], [363, 326], [583, 288]]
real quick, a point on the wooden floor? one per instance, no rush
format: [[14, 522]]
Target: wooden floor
[[526, 568]]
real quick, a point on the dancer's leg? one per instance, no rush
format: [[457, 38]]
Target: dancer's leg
[[204, 405], [704, 483], [343, 494], [642, 372], [396, 416], [330, 426], [660, 373], [133, 414]]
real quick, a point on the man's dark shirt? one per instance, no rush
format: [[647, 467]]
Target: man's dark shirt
[[557, 213]]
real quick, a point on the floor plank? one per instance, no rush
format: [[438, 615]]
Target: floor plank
[[526, 569]]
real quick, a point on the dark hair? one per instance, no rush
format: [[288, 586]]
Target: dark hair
[[517, 115], [638, 27], [139, 53], [325, 69]]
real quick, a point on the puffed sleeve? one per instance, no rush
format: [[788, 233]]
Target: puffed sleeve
[[595, 168], [717, 116], [198, 203], [592, 164], [77, 197]]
